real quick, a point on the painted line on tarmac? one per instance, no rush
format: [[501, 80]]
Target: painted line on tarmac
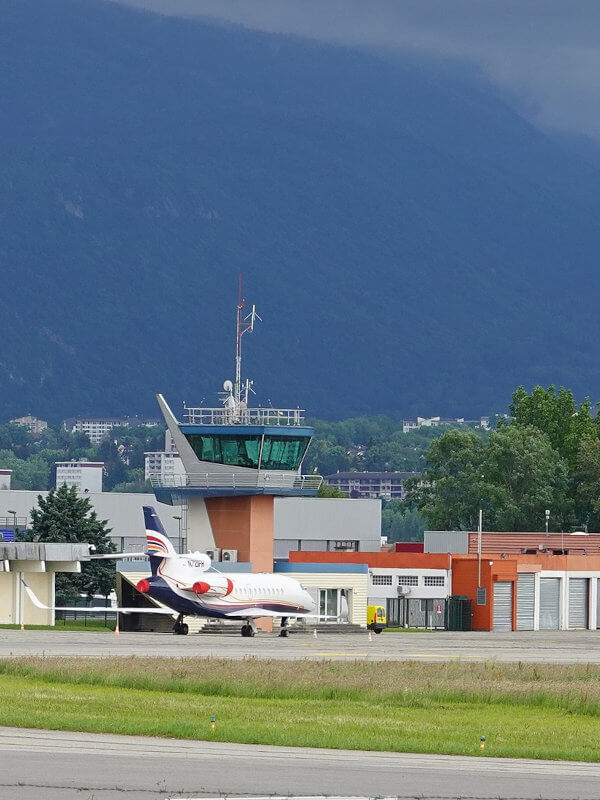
[[444, 657], [344, 655]]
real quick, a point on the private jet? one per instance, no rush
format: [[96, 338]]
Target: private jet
[[189, 586]]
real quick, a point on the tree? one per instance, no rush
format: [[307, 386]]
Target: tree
[[65, 516], [514, 477], [587, 481], [400, 523], [325, 490], [557, 415], [449, 491], [523, 475]]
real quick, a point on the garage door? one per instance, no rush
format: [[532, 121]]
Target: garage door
[[549, 603], [503, 606], [578, 602], [525, 601]]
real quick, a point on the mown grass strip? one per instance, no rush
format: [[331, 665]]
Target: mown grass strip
[[452, 728], [572, 689], [72, 625], [523, 710]]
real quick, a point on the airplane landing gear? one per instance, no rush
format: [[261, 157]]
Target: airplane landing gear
[[180, 628], [249, 629], [284, 627]]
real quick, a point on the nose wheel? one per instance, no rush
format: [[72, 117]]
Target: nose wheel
[[181, 628], [283, 632]]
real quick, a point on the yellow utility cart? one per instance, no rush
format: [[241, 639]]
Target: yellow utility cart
[[376, 618]]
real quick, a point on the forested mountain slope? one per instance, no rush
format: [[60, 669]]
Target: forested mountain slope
[[412, 244]]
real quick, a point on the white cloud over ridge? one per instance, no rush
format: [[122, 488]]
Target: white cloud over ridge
[[546, 53]]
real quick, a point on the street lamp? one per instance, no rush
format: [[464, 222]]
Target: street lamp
[[14, 513], [547, 513], [179, 526]]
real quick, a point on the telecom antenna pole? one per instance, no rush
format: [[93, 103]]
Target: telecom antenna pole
[[243, 325]]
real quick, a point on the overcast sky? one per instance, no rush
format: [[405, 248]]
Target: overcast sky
[[546, 53]]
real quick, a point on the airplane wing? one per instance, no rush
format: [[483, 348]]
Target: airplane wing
[[117, 555], [95, 609]]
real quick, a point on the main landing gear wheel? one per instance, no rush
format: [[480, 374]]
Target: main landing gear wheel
[[181, 628], [248, 630], [284, 630]]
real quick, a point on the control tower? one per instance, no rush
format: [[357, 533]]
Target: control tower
[[236, 460]]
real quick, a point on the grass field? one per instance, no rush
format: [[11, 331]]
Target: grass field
[[537, 711], [70, 625]]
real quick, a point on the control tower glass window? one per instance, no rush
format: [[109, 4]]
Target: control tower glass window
[[234, 450], [283, 452]]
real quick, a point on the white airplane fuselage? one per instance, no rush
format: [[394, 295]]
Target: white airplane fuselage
[[184, 584]]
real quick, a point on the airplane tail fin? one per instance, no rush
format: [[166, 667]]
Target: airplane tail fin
[[159, 544]]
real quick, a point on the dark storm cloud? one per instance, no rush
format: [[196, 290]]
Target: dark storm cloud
[[544, 52]]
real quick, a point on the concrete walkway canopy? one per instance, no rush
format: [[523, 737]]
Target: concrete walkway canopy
[[37, 562]]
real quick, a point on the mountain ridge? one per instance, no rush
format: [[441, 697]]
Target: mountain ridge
[[412, 244]]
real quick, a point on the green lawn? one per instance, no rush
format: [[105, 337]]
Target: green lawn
[[523, 710], [70, 625]]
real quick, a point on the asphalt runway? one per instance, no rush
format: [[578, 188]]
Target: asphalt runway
[[58, 766], [559, 647]]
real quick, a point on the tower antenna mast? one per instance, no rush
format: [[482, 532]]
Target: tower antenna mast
[[243, 325]]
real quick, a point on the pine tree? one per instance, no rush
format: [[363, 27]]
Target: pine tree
[[65, 516]]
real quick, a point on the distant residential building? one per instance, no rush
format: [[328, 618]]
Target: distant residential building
[[434, 422], [86, 476], [33, 424], [162, 465], [97, 427], [385, 485], [5, 478]]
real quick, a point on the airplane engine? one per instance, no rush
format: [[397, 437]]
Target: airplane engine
[[221, 589]]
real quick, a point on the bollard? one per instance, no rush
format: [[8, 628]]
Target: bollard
[[213, 724], [482, 743], [116, 631], [315, 633], [370, 635]]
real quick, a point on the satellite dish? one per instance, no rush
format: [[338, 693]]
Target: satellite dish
[[228, 386]]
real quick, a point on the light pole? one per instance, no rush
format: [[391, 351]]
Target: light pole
[[547, 513], [14, 513], [179, 526]]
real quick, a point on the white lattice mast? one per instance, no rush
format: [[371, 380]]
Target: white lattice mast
[[243, 325]]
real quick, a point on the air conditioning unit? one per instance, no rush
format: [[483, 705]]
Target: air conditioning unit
[[403, 591], [229, 555], [214, 554]]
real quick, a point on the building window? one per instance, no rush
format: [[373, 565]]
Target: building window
[[435, 580], [381, 580], [408, 580], [350, 545]]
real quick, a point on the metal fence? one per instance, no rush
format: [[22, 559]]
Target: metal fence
[[246, 416], [237, 480], [409, 612]]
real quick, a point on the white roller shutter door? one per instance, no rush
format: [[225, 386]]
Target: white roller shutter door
[[525, 601], [549, 604], [578, 602], [503, 606]]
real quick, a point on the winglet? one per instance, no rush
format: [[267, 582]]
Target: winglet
[[33, 598]]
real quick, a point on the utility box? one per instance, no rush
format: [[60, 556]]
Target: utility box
[[459, 613]]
